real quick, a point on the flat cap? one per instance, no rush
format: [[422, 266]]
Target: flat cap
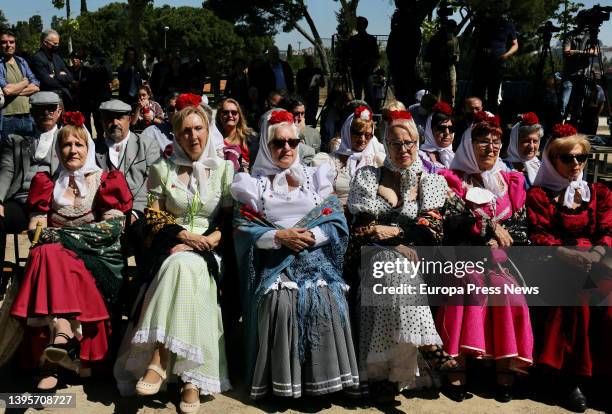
[[45, 98], [115, 105]]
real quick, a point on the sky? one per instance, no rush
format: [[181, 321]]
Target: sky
[[378, 13]]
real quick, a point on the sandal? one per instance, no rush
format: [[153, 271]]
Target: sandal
[[438, 359], [192, 407], [48, 371], [62, 353], [146, 388]]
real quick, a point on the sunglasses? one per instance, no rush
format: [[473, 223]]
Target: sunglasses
[[570, 158], [399, 145], [230, 112], [280, 143], [366, 135], [299, 113], [442, 128]]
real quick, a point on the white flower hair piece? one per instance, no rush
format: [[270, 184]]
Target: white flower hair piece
[[365, 115]]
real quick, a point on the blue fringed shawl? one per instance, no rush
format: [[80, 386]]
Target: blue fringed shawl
[[260, 268]]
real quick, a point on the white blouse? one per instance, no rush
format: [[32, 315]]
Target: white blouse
[[341, 176], [284, 210]]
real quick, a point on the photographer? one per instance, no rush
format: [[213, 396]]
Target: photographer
[[443, 53], [497, 42], [576, 59]]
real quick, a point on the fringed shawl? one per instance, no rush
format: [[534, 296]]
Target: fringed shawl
[[259, 269]]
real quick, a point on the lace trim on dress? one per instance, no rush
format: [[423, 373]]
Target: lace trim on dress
[[174, 345], [84, 205], [280, 284]]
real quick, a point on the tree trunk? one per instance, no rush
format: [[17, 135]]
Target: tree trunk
[[83, 6], [136, 11], [70, 27], [316, 41]]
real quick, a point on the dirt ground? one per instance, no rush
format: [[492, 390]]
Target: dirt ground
[[99, 396]]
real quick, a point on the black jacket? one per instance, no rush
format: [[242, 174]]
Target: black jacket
[[49, 72]]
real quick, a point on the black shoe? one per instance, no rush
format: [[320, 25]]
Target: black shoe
[[503, 393], [454, 392], [383, 392], [576, 401]]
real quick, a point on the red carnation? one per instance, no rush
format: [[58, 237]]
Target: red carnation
[[363, 112], [278, 117], [484, 116], [443, 108], [395, 115], [563, 130], [186, 100], [529, 118], [327, 211], [74, 118], [249, 213]]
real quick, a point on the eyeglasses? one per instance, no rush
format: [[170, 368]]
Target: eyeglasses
[[280, 143], [45, 108], [399, 145], [571, 158], [299, 113], [229, 112], [442, 128], [366, 135], [485, 144]]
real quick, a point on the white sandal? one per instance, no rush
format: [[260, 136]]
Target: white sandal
[[188, 408], [146, 388]]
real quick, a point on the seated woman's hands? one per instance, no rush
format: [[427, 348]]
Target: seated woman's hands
[[198, 242], [581, 260], [378, 232], [501, 236], [296, 239]]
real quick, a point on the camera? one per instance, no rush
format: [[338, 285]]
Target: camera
[[594, 17], [548, 27]]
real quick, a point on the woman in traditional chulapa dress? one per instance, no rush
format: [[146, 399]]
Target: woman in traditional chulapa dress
[[290, 239], [74, 273], [395, 205], [523, 147], [358, 148], [491, 203], [179, 329]]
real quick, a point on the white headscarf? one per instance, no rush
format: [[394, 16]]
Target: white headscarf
[[61, 184], [549, 177], [209, 159], [355, 159], [264, 163], [430, 145], [531, 166], [465, 160]]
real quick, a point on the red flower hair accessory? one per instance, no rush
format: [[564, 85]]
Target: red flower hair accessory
[[443, 108], [186, 100], [563, 130], [363, 112], [73, 118], [395, 115], [278, 117], [529, 118], [484, 116]]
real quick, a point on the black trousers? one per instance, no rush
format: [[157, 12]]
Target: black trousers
[[15, 220], [488, 72]]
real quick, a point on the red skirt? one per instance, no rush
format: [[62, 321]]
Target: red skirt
[[57, 283]]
